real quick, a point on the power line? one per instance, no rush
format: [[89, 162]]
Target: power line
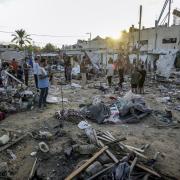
[[47, 35]]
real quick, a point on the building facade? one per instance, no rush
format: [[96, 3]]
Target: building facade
[[151, 39]]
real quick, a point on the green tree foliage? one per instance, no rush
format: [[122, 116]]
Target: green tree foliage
[[21, 38], [49, 48], [33, 48]]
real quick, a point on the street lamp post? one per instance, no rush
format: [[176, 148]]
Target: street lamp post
[[89, 40]]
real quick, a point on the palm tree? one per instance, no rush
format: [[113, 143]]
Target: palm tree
[[21, 38]]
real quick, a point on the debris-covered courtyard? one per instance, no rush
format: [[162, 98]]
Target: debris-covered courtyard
[[146, 146]]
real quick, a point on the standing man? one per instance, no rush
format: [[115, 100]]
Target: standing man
[[26, 72], [83, 71], [135, 77], [142, 79], [43, 83], [67, 69], [110, 71], [14, 65], [20, 73], [35, 71]]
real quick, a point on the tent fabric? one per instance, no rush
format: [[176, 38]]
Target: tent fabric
[[94, 58], [165, 64], [9, 55]]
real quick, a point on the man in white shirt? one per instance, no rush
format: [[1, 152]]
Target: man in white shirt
[[35, 71]]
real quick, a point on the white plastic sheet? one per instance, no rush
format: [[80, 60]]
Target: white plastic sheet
[[75, 70], [165, 64]]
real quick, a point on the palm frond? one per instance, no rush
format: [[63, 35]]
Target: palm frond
[[15, 38]]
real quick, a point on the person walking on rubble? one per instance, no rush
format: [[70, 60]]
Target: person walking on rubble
[[43, 83], [83, 71], [120, 68], [135, 77], [110, 71], [20, 73], [26, 72], [14, 65], [142, 71], [67, 69]]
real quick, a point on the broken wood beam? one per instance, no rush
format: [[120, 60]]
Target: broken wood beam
[[86, 164], [116, 141], [109, 153], [134, 148], [147, 169], [20, 82], [11, 144], [32, 170], [123, 146], [104, 139], [132, 166], [100, 172]]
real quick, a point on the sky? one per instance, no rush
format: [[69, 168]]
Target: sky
[[74, 18]]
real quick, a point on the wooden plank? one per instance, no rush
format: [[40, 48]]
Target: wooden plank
[[132, 166], [100, 172], [127, 148], [95, 136], [32, 170], [86, 164], [134, 148], [147, 169], [109, 153], [107, 137], [116, 141], [110, 135], [9, 145], [14, 78], [104, 139]]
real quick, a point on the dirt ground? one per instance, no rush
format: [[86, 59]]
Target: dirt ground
[[163, 140]]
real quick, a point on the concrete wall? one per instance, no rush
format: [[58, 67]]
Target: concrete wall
[[162, 33]]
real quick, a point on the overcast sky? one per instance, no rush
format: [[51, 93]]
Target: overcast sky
[[75, 17]]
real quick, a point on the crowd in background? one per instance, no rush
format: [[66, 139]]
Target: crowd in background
[[20, 71], [42, 73]]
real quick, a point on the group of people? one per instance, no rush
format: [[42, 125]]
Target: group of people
[[138, 77], [138, 74], [84, 70], [41, 76]]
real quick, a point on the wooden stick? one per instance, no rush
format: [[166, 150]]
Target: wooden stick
[[134, 148], [110, 135], [107, 137], [20, 82], [32, 170], [9, 145], [132, 166], [116, 141], [100, 172], [129, 149], [104, 139], [147, 169], [109, 153], [86, 164]]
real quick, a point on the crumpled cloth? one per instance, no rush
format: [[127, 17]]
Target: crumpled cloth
[[98, 112], [121, 171], [69, 114]]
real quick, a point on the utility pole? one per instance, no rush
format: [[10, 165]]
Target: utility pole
[[89, 40], [169, 12], [139, 37]]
